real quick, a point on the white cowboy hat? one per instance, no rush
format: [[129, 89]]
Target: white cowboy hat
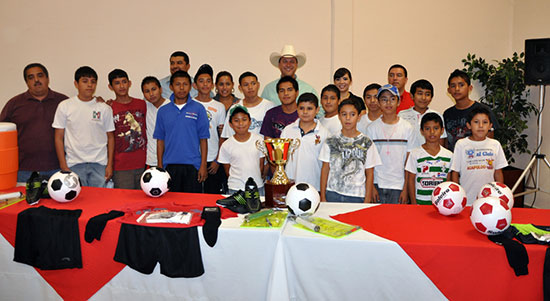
[[287, 51]]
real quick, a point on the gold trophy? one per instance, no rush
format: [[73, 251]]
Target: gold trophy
[[277, 152]]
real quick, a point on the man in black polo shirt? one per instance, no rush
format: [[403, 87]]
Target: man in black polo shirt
[[33, 111]]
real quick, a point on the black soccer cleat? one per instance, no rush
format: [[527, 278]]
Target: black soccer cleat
[[235, 202], [252, 196]]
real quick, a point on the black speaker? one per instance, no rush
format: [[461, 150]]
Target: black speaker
[[537, 62]]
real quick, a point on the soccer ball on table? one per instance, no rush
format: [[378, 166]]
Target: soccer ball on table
[[497, 190], [302, 199], [490, 215], [449, 198], [64, 186], [155, 182]]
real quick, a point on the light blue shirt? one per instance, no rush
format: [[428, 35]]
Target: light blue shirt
[[270, 91]]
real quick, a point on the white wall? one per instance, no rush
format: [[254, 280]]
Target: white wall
[[429, 37]]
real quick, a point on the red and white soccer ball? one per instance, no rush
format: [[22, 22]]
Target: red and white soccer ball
[[497, 190], [449, 198], [490, 215]]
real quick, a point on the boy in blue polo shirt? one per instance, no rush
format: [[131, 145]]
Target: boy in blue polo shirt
[[182, 132]]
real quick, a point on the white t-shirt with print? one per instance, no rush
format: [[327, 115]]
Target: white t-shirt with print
[[429, 171], [257, 114], [393, 142], [215, 111], [244, 159], [348, 159], [86, 124], [476, 161]]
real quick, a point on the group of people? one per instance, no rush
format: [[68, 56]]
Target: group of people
[[387, 146]]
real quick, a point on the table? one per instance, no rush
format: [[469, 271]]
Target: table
[[278, 264]]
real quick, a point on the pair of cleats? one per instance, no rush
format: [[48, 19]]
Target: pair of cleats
[[247, 201], [36, 188]]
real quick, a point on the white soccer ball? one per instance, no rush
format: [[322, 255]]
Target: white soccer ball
[[490, 215], [302, 199], [449, 198], [155, 182], [498, 190], [64, 186]]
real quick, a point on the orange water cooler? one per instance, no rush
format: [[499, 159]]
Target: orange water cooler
[[8, 155]]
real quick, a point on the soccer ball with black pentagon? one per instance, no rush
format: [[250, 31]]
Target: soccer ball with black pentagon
[[64, 186], [155, 182], [302, 199]]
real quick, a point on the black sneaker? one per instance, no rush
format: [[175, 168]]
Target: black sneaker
[[236, 202], [36, 188], [252, 196]]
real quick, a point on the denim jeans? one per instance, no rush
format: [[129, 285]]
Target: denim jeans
[[90, 174], [340, 198], [388, 196], [24, 175]]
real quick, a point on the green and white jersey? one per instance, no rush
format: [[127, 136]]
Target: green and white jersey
[[430, 171]]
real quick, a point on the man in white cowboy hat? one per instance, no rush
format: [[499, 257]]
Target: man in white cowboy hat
[[288, 62]]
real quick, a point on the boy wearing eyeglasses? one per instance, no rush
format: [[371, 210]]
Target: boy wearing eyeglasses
[[394, 139]]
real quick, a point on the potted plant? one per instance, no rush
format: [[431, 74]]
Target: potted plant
[[507, 95]]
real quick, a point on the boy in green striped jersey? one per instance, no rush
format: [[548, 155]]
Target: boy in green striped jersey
[[429, 164]]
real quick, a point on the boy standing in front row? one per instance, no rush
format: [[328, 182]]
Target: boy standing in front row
[[304, 165], [430, 164], [84, 132], [130, 132], [239, 155], [152, 91], [348, 160], [182, 133], [394, 138], [477, 159]]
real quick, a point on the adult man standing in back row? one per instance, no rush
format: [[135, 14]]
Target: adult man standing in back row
[[397, 76], [288, 62], [33, 111], [179, 60]]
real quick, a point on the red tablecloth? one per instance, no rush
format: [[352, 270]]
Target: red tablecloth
[[460, 261], [97, 257]]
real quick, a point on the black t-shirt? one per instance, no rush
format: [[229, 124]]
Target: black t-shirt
[[455, 123]]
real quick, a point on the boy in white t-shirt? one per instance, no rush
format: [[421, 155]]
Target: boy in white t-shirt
[[84, 132], [348, 160], [430, 164], [152, 92], [477, 159], [203, 83], [373, 107], [422, 92], [255, 105], [239, 155], [330, 98], [394, 138], [304, 164]]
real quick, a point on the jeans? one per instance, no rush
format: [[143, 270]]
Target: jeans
[[90, 174], [388, 196], [24, 175], [128, 179], [335, 197]]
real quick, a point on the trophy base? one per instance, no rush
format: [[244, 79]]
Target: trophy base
[[275, 194]]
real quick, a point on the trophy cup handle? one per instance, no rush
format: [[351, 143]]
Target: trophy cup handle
[[260, 145], [294, 145]]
